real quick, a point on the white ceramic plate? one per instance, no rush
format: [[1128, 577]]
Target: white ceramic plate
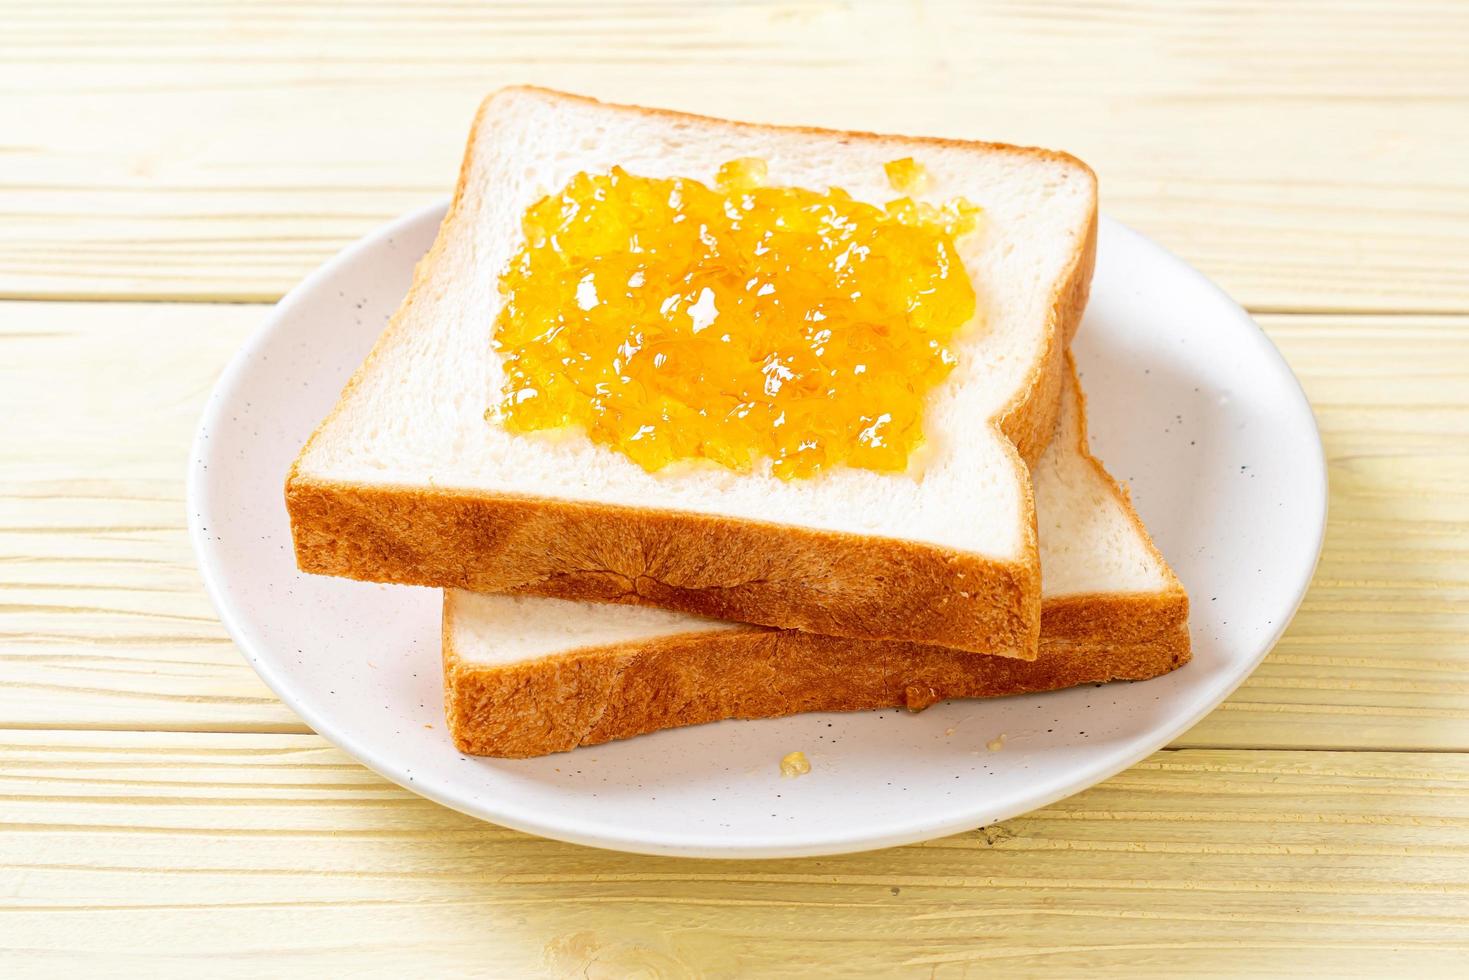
[[1190, 404]]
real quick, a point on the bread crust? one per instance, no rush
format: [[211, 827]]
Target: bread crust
[[587, 697], [732, 568], [814, 580], [598, 694]]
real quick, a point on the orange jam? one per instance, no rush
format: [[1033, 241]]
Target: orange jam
[[906, 175], [673, 320]]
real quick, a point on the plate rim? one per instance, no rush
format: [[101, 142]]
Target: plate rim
[[567, 828]]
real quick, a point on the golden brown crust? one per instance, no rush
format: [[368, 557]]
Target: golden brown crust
[[820, 581], [589, 696], [1030, 421], [586, 697], [726, 567]]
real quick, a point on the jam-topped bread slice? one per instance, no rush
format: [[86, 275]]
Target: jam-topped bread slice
[[529, 676], [415, 477]]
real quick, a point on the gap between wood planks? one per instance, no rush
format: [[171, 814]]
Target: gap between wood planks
[[267, 728], [270, 299]]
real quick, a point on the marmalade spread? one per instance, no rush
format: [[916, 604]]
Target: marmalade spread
[[673, 320]]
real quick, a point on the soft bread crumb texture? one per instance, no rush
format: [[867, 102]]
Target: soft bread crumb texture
[[407, 482], [1090, 538], [1090, 543], [527, 676], [416, 415], [507, 629]]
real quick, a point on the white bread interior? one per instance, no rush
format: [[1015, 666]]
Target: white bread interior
[[526, 677], [419, 414], [1091, 542], [414, 417], [529, 676]]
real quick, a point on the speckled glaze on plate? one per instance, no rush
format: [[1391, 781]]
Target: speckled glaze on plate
[[1189, 403]]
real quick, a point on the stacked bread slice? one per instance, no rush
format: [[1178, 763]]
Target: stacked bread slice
[[527, 676], [406, 480], [592, 600]]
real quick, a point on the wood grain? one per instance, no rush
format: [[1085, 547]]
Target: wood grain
[[103, 618], [267, 854], [103, 622], [1307, 155]]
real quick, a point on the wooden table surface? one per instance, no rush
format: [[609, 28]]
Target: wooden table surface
[[168, 168]]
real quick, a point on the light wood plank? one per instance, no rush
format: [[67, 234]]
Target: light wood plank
[[1379, 653], [1308, 155], [103, 622], [261, 855], [103, 618]]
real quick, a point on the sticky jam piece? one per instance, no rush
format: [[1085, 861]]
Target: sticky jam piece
[[673, 320], [906, 176]]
